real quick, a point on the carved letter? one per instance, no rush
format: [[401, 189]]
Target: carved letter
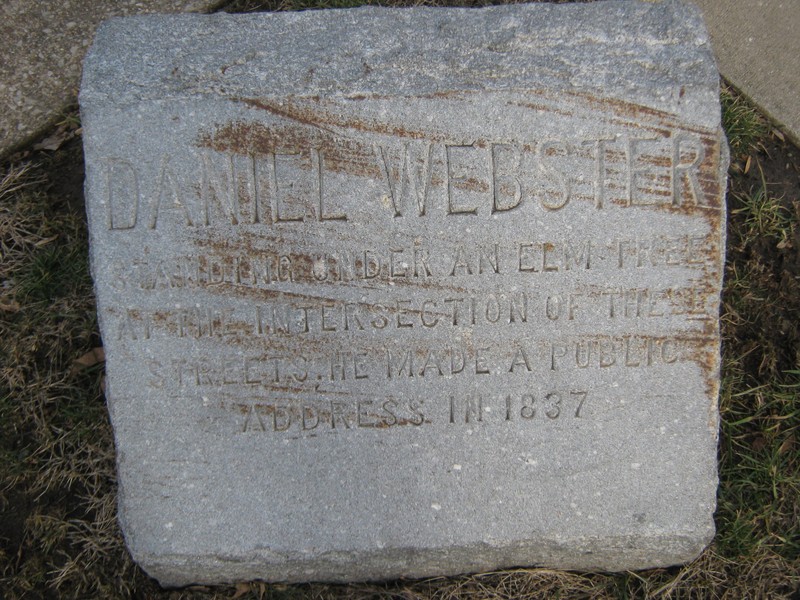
[[122, 193], [505, 180], [413, 178]]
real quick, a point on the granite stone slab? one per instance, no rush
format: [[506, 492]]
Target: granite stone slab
[[409, 292]]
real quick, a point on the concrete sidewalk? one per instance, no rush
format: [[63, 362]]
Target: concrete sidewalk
[[757, 45], [42, 45], [42, 42]]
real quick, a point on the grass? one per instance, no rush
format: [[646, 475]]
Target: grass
[[758, 506], [765, 216], [742, 123], [58, 531], [57, 472]]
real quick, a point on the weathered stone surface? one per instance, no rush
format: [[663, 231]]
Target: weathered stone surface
[[409, 292]]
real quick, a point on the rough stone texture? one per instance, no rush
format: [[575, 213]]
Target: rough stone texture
[[758, 49], [43, 44], [409, 292]]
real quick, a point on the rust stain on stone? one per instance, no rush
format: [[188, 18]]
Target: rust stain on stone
[[704, 352], [337, 154], [543, 108], [471, 184], [323, 120], [635, 115]]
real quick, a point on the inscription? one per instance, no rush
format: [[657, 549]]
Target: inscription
[[327, 317], [303, 326], [331, 415], [328, 370], [630, 352], [551, 405], [313, 417], [497, 179], [269, 269]]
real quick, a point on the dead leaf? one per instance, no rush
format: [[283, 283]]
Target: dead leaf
[[55, 140], [786, 445], [747, 165], [45, 241], [759, 443], [241, 590], [778, 135], [91, 358], [12, 306]]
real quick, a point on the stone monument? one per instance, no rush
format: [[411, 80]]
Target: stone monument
[[409, 292]]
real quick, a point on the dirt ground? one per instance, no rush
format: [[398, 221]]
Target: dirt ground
[[775, 339]]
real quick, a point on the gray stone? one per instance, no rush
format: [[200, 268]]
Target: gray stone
[[400, 293]]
